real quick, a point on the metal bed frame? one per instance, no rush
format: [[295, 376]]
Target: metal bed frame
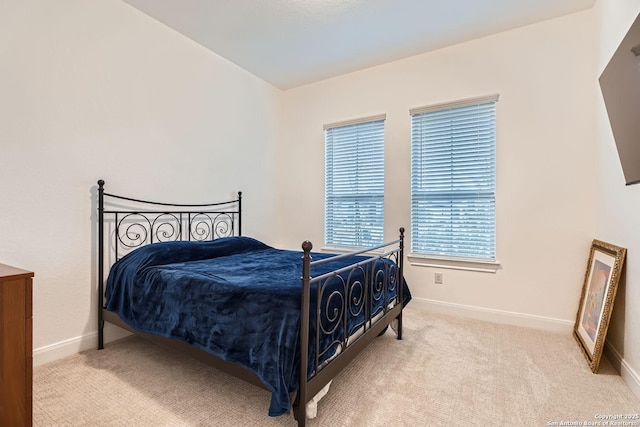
[[136, 222]]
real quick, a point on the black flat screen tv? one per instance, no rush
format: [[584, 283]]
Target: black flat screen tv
[[620, 86]]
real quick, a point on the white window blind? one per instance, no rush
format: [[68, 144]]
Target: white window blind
[[453, 174], [354, 183]]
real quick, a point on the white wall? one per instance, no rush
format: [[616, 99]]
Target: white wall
[[618, 205], [545, 160], [96, 89]]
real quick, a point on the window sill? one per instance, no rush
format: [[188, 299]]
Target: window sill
[[468, 264], [347, 249]]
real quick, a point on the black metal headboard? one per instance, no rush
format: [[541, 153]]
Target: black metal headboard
[[133, 223]]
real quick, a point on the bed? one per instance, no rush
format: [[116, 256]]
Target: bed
[[288, 321]]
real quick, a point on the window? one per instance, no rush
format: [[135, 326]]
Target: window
[[354, 183], [453, 174]]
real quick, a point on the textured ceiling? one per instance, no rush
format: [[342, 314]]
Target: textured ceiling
[[293, 42]]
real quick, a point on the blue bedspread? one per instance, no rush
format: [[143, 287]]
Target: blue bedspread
[[235, 297]]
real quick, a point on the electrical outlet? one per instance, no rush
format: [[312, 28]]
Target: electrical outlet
[[437, 278]]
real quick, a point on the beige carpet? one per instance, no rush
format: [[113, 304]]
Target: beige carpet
[[446, 372]]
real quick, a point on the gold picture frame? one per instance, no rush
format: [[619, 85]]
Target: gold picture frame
[[596, 303]]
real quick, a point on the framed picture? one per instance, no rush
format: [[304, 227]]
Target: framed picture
[[598, 294]]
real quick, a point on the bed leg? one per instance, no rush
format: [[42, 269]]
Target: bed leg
[[100, 334], [399, 326], [299, 412]]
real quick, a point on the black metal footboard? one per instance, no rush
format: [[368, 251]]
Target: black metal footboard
[[371, 290]]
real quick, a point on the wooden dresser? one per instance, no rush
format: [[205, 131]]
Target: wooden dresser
[[16, 354]]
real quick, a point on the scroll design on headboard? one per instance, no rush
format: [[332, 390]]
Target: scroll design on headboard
[[135, 229], [203, 225], [135, 222]]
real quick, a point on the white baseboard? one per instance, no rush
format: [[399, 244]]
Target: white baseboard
[[630, 377], [493, 315], [49, 353]]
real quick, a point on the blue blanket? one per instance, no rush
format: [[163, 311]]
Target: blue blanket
[[235, 297]]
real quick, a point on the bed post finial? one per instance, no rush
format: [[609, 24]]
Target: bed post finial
[[101, 183], [307, 246]]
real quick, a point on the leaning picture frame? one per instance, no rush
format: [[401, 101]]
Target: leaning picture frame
[[601, 278]]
